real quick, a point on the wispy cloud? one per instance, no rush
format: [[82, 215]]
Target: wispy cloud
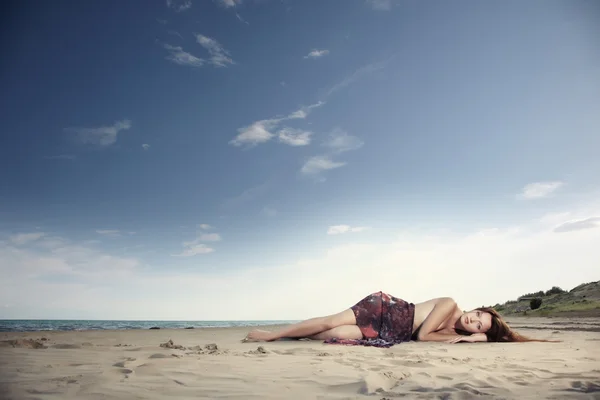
[[145, 146], [205, 237], [194, 250], [247, 195], [359, 73], [175, 33], [339, 229], [304, 111], [181, 57], [317, 53], [381, 5], [294, 137], [179, 5], [229, 3], [108, 232], [239, 17], [23, 238], [255, 133], [196, 246], [219, 57], [317, 164], [539, 190], [262, 131], [205, 226], [102, 136], [340, 141], [578, 225]]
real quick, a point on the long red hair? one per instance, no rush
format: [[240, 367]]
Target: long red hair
[[501, 332]]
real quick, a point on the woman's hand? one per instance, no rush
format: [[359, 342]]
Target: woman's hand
[[476, 337], [455, 339]]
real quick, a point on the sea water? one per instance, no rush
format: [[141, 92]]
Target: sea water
[[25, 325]]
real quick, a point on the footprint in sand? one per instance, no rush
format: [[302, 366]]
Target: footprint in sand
[[65, 346], [120, 367], [125, 371], [159, 355], [121, 364], [411, 363]]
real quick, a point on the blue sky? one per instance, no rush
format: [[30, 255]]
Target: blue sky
[[158, 157]]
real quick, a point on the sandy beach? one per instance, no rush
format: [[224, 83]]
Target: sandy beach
[[213, 363]]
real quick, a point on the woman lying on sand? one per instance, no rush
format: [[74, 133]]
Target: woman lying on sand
[[383, 320]]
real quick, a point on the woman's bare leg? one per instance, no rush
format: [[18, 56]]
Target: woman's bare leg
[[306, 328], [341, 332]]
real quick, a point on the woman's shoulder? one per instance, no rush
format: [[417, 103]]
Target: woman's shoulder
[[423, 309], [435, 301]]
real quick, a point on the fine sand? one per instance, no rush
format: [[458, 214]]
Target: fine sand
[[215, 364]]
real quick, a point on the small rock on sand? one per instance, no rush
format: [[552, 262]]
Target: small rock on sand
[[154, 327], [171, 345]]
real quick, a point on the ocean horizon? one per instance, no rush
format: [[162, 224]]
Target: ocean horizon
[[30, 325]]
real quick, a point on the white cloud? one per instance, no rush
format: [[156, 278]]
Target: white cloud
[[204, 226], [102, 136], [195, 249], [108, 232], [24, 238], [256, 133], [303, 112], [339, 229], [294, 137], [539, 190], [262, 131], [317, 164], [181, 57], [577, 225], [317, 53], [145, 146], [179, 5], [219, 57], [381, 5], [230, 3], [195, 246], [340, 142], [210, 237]]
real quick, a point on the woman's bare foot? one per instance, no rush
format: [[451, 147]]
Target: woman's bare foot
[[258, 335]]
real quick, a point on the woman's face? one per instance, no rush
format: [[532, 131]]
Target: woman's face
[[476, 321]]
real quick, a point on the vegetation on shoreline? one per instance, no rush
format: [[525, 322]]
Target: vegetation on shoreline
[[582, 301]]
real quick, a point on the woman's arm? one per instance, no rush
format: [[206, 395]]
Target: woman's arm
[[443, 309], [476, 337]]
